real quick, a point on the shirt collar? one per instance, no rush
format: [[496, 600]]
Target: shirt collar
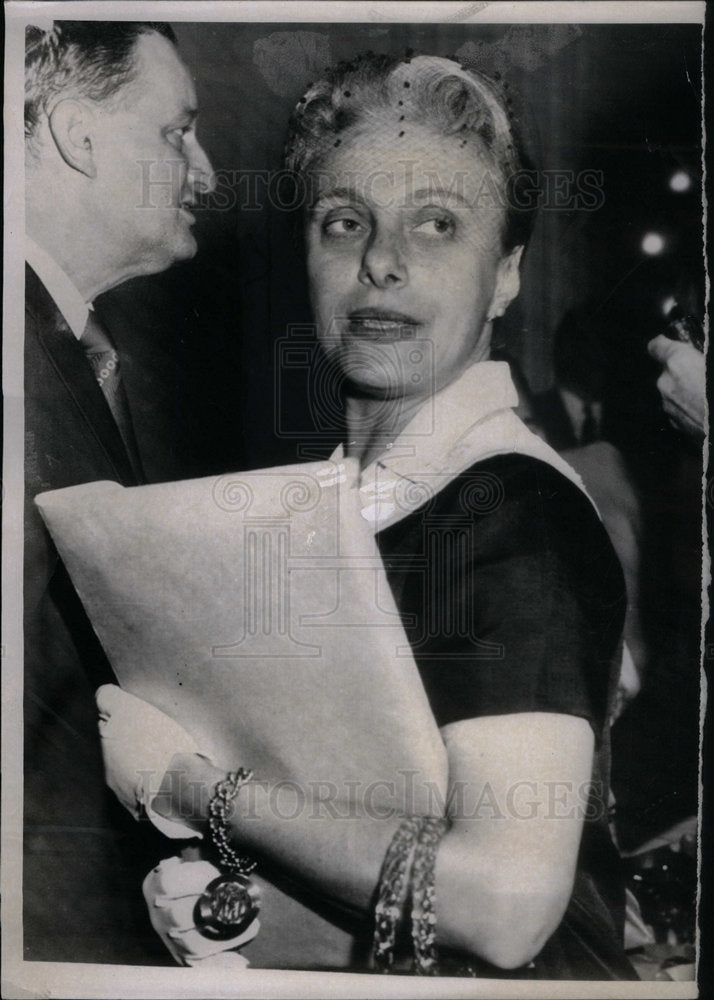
[[441, 440], [430, 440], [468, 421], [60, 286]]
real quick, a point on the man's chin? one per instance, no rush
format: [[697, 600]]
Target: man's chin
[[176, 251], [186, 247]]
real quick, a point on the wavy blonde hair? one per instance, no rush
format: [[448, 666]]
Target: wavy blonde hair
[[426, 90]]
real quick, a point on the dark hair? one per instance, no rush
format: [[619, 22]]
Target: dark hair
[[93, 59], [431, 90]]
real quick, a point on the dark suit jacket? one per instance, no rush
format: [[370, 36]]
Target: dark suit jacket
[[82, 890]]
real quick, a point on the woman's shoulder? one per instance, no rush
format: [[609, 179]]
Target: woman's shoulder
[[510, 506], [516, 505], [515, 485], [523, 472]]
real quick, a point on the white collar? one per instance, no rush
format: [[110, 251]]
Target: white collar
[[428, 442], [467, 421], [60, 286]]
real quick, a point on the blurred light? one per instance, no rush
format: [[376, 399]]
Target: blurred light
[[680, 181], [652, 244], [669, 303]]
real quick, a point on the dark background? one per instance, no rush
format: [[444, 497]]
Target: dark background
[[621, 99]]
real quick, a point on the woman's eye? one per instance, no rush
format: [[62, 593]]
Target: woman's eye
[[343, 227], [436, 227]]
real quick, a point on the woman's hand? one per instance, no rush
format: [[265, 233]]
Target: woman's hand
[[172, 890], [138, 743]]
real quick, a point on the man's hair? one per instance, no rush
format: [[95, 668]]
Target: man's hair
[[427, 90], [90, 59]]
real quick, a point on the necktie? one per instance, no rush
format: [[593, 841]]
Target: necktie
[[104, 361]]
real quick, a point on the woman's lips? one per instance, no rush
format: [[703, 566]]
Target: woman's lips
[[378, 325]]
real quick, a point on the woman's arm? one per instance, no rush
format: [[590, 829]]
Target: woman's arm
[[519, 786], [517, 795]]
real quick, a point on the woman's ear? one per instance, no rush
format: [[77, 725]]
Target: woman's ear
[[508, 283], [71, 124]]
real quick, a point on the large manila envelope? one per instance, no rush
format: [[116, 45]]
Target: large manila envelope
[[254, 609]]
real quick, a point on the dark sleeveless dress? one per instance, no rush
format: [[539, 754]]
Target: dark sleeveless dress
[[513, 600]]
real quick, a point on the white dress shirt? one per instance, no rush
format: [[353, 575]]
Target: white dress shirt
[[59, 285]]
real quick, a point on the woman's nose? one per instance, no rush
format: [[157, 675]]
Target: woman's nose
[[200, 171], [383, 264]]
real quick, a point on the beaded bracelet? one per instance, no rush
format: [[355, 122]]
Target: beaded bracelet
[[408, 870], [393, 885], [432, 830]]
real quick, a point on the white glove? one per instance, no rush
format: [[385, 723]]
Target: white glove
[[171, 891], [138, 742]]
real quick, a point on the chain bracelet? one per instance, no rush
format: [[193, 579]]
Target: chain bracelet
[[230, 903], [218, 809], [426, 961], [393, 884]]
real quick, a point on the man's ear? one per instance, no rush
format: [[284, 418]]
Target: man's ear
[[71, 123], [508, 283]]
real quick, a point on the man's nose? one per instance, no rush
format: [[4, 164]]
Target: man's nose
[[200, 172]]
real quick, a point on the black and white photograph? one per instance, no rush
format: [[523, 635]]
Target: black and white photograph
[[355, 555]]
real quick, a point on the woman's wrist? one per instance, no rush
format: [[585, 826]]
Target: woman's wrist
[[186, 789]]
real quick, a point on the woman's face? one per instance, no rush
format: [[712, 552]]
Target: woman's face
[[404, 256]]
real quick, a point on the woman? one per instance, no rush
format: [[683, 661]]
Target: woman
[[508, 588]]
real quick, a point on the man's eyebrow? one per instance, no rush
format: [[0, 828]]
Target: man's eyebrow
[[449, 194]]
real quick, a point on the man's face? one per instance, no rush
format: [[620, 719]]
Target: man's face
[[149, 165]]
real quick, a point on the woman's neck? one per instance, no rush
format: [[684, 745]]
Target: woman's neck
[[374, 424]]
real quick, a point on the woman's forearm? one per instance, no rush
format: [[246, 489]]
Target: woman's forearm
[[336, 852], [340, 856]]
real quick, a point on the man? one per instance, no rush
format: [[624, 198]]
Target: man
[[571, 412], [113, 166]]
